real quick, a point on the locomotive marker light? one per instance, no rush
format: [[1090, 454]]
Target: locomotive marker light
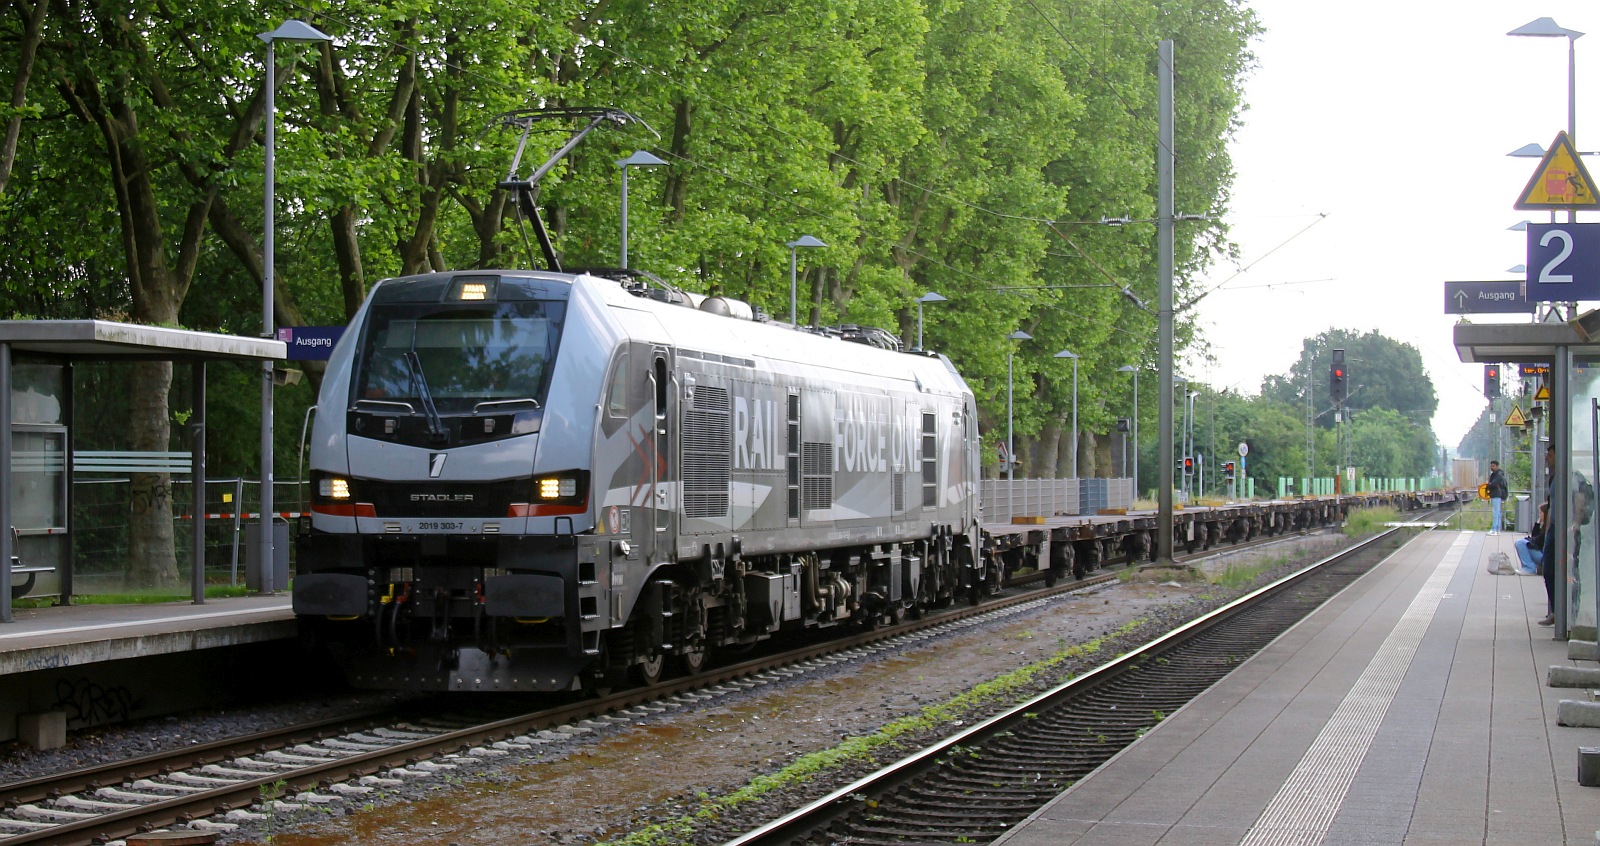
[[290, 32], [930, 297], [794, 246], [1011, 451], [1074, 356], [640, 158]]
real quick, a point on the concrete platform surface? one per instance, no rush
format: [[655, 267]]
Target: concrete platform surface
[[1412, 709], [75, 635]]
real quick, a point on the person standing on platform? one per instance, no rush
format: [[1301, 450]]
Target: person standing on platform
[[1497, 495]]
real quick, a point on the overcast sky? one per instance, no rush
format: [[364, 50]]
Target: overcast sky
[[1394, 120]]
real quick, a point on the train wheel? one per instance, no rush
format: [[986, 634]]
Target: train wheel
[[648, 671], [691, 662]]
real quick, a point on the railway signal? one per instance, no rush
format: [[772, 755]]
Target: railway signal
[[1491, 381], [1188, 465], [1337, 377], [1228, 471]]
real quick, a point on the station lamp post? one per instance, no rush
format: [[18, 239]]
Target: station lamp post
[[930, 297], [1548, 28], [290, 32], [1074, 356], [794, 246], [1011, 447], [1128, 368], [640, 158]]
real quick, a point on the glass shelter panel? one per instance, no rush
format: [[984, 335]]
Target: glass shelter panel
[[1584, 461]]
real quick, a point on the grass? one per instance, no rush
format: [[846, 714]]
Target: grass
[[1363, 522], [1237, 576], [148, 596], [1473, 516]]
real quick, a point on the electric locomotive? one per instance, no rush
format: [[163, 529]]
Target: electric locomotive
[[538, 480]]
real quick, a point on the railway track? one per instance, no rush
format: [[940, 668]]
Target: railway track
[[972, 787], [215, 785], [203, 786]]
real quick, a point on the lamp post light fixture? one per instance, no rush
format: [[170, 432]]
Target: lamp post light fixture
[[290, 32], [1074, 356], [640, 158], [930, 297], [1128, 368], [1548, 28], [1011, 447], [794, 246]]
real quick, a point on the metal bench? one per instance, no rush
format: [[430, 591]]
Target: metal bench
[[19, 569]]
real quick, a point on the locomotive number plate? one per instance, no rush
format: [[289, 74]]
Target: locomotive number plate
[[446, 526]]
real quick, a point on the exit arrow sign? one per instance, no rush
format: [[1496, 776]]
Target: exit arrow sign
[[1504, 297]]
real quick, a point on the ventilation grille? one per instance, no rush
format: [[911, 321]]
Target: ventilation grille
[[816, 484], [707, 454], [899, 488]]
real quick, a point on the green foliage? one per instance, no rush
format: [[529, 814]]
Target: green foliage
[[966, 148], [1369, 521]]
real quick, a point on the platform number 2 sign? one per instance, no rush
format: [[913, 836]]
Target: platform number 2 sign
[[1563, 261]]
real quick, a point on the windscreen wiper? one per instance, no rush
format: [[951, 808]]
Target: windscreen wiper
[[435, 422]]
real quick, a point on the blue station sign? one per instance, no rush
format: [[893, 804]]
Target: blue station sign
[[1563, 262], [1501, 297], [310, 343]]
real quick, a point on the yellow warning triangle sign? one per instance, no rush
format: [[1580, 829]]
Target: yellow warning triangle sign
[[1542, 395], [1561, 182], [1515, 418]]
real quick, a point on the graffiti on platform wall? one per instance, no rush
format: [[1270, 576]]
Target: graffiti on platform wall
[[88, 703], [50, 661]]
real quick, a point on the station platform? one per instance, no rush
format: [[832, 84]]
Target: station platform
[[1411, 709], [58, 637]]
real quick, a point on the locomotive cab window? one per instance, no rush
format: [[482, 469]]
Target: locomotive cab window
[[617, 389]]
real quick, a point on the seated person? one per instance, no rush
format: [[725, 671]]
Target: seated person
[[1530, 550]]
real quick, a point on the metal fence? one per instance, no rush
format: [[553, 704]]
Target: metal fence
[[100, 529]]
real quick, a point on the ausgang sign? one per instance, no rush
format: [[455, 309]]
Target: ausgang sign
[[1502, 297]]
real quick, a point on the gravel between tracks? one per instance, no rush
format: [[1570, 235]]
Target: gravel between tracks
[[624, 778]]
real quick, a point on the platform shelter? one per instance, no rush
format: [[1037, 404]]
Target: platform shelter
[[1571, 416], [36, 452]]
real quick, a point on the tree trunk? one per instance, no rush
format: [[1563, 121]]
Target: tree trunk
[[29, 47], [152, 556]]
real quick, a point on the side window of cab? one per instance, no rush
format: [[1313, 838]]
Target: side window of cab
[[617, 387]]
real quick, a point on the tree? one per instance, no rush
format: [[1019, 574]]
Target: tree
[[1384, 373]]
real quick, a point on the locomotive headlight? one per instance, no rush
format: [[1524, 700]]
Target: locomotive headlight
[[557, 487], [565, 492], [334, 487]]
